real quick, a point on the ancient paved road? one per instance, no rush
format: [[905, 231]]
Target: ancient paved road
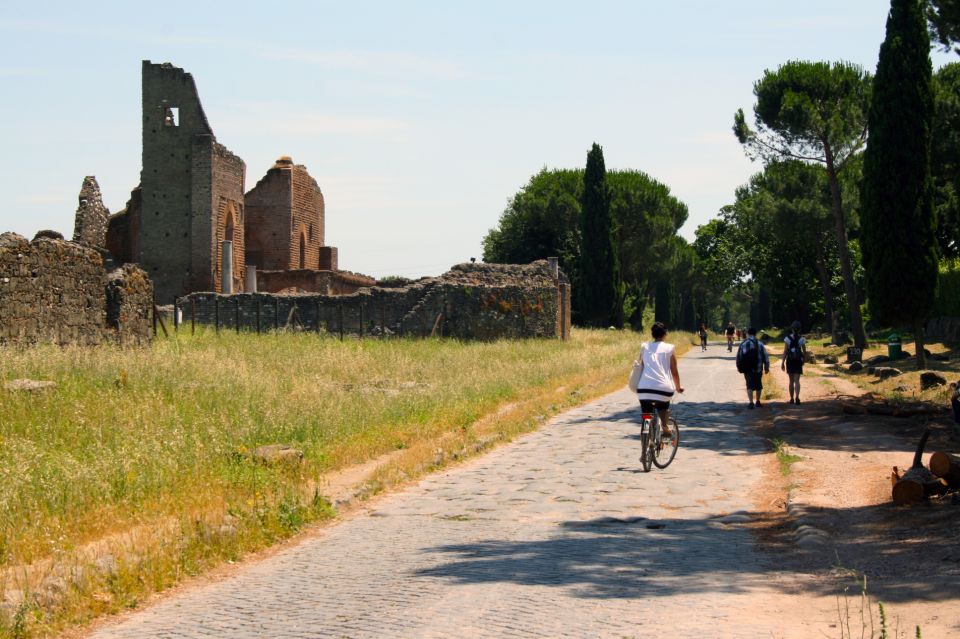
[[556, 535]]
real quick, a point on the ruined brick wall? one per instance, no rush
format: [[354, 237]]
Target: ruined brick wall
[[306, 220], [267, 227], [229, 173], [123, 229], [285, 219], [468, 302], [188, 181], [92, 218], [329, 258], [56, 291]]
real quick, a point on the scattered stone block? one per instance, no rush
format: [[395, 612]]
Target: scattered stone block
[[930, 379], [855, 367], [876, 359], [277, 454], [830, 359], [29, 385], [886, 372]]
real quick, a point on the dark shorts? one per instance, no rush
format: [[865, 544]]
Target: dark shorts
[[650, 405], [754, 381], [794, 368]]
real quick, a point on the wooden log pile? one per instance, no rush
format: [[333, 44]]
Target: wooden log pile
[[917, 483]]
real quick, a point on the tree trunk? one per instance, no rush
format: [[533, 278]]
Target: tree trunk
[[827, 295], [918, 343], [840, 224]]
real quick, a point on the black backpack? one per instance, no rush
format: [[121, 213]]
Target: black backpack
[[748, 356], [794, 351]]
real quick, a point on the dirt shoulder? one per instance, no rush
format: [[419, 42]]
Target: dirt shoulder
[[830, 511]]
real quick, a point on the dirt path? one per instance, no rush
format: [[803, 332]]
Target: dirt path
[[837, 500]]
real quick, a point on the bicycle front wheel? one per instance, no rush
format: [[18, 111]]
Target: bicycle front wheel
[[665, 448]]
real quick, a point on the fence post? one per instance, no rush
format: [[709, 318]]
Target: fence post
[[317, 307], [276, 313], [361, 319], [193, 316], [237, 300], [341, 321], [216, 313], [154, 317], [383, 318], [258, 315], [176, 316]]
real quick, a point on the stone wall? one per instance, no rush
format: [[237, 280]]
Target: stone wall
[[53, 291], [92, 218], [308, 280], [471, 301]]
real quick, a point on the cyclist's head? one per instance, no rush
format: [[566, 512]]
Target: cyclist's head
[[751, 331], [658, 330]]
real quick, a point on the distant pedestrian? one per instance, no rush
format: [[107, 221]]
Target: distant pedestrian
[[703, 337], [731, 329], [794, 347], [753, 362]]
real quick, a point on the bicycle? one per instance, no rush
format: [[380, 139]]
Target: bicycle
[[654, 448]]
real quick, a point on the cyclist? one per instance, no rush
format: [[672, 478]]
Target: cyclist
[[659, 378], [730, 330]]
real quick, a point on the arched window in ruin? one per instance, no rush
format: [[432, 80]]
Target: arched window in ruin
[[230, 230], [303, 251]]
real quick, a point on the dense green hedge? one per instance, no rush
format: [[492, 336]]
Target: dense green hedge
[[948, 297]]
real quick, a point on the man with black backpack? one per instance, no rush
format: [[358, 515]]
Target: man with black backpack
[[794, 346], [753, 362]]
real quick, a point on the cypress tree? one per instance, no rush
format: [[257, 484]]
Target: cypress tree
[[899, 241], [599, 281]]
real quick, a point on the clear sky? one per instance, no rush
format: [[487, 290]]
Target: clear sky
[[419, 120]]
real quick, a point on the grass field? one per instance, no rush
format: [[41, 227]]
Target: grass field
[[136, 469]]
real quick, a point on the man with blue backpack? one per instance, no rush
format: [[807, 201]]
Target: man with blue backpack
[[753, 362]]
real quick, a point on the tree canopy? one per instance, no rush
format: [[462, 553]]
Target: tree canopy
[[899, 244], [814, 112]]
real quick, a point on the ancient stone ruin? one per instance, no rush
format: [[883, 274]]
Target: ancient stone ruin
[[54, 291], [191, 225], [191, 233], [470, 301]]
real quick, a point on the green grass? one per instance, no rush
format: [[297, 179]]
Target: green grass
[[784, 456], [143, 455]]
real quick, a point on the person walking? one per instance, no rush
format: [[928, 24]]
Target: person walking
[[731, 329], [794, 348], [703, 336], [753, 362], [659, 377]]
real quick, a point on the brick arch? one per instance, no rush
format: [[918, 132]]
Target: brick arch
[[230, 227]]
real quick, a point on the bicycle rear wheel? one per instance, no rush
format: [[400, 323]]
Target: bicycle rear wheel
[[646, 450], [665, 448]]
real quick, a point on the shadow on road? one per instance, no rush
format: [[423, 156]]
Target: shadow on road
[[634, 557]]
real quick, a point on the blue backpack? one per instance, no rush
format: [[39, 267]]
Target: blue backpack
[[748, 356]]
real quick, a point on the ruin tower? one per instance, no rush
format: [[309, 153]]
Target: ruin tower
[[191, 197], [285, 220], [90, 225]]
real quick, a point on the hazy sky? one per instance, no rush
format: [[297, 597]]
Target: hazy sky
[[418, 119]]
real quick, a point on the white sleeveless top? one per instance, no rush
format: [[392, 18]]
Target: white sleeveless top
[[656, 382]]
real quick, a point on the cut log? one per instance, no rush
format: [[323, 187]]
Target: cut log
[[947, 466], [913, 484]]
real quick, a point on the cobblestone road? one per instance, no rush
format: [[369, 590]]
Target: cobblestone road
[[556, 535]]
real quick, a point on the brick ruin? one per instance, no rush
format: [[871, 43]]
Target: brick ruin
[[191, 225], [54, 291], [470, 301]]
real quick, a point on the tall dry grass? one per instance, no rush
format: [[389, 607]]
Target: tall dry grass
[[136, 469]]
